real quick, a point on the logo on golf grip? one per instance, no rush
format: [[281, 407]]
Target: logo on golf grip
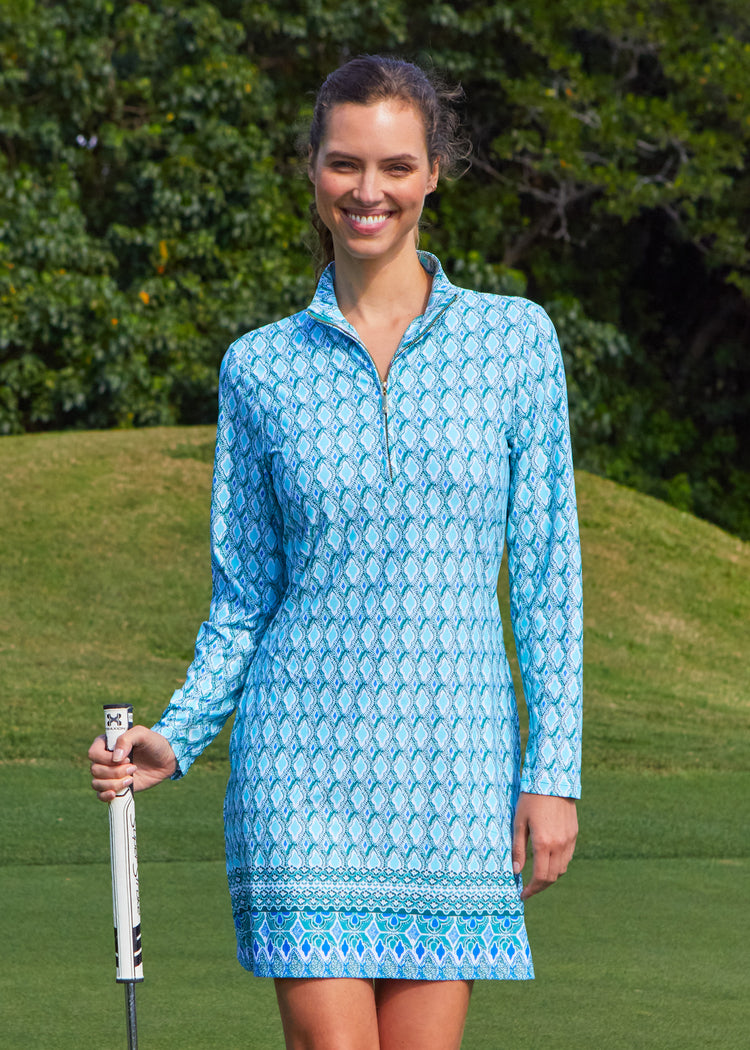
[[114, 720]]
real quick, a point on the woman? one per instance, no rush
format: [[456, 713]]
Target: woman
[[372, 453]]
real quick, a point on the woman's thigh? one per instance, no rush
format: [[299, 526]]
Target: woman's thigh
[[341, 1013], [330, 1013], [421, 1015]]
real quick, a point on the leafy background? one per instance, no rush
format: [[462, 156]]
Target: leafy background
[[153, 206]]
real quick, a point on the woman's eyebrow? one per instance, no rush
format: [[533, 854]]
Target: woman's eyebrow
[[337, 154]]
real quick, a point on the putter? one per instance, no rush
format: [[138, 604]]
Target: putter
[[126, 901]]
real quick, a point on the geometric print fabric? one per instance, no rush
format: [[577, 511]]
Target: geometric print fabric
[[355, 634]]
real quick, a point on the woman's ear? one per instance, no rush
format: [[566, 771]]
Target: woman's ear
[[434, 176]]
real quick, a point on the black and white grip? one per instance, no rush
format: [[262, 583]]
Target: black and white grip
[[126, 902]]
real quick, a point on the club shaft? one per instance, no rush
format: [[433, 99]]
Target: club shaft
[[130, 1014]]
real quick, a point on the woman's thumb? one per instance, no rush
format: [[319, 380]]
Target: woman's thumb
[[123, 747], [518, 852]]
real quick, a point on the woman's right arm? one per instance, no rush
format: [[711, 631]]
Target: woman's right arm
[[247, 563], [142, 758], [248, 582]]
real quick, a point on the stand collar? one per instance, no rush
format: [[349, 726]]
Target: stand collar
[[325, 308]]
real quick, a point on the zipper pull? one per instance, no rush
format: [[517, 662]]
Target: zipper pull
[[383, 383]]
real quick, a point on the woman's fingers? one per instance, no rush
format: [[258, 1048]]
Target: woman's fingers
[[547, 870], [105, 773], [552, 825], [111, 771], [98, 751], [125, 744], [152, 761], [106, 790], [108, 779]]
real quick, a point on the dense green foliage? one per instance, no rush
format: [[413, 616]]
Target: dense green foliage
[[153, 205]]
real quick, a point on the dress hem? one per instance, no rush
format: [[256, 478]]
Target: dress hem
[[318, 968], [342, 942]]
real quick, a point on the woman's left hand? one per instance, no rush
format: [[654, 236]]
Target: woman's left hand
[[552, 825]]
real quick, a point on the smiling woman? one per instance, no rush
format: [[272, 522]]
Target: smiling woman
[[371, 174], [374, 454]]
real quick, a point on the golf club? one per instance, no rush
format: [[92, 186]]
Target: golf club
[[126, 902]]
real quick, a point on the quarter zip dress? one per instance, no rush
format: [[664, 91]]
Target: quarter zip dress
[[357, 532]]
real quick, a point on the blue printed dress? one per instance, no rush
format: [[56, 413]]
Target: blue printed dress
[[354, 631]]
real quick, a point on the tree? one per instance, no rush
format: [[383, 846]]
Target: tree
[[154, 205], [144, 218]]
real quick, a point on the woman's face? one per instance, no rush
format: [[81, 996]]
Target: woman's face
[[371, 175]]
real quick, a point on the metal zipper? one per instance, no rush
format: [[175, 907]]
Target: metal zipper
[[384, 385], [384, 382]]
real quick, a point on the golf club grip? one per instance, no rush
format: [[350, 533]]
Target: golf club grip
[[126, 901]]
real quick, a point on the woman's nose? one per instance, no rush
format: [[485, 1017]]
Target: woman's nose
[[367, 189]]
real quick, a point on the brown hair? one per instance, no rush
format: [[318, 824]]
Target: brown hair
[[374, 78]]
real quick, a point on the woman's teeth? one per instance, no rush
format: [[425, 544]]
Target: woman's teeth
[[368, 220]]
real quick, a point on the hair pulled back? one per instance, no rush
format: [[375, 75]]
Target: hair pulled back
[[375, 78]]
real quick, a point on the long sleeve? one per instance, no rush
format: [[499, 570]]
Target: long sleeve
[[544, 565], [247, 566]]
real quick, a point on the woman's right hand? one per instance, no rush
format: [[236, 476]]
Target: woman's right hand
[[152, 760]]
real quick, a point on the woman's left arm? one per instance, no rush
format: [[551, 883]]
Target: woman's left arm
[[544, 565]]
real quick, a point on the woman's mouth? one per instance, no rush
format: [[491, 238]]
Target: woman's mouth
[[367, 222]]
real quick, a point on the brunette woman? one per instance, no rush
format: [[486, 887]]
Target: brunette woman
[[374, 454]]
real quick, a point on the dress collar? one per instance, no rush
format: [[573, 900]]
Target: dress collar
[[325, 308]]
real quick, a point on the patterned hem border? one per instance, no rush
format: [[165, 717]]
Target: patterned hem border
[[418, 947]]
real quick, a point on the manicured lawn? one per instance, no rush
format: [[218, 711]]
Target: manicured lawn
[[645, 954], [104, 577]]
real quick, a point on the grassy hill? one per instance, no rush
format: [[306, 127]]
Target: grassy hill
[[104, 579]]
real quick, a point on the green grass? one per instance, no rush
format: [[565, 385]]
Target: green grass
[[667, 605], [628, 955], [104, 547], [49, 816], [105, 578]]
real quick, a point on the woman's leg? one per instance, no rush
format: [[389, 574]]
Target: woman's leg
[[330, 1013], [341, 1013], [421, 1015]]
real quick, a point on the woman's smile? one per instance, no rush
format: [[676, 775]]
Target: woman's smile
[[367, 223]]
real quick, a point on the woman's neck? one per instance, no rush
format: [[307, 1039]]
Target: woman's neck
[[378, 291]]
